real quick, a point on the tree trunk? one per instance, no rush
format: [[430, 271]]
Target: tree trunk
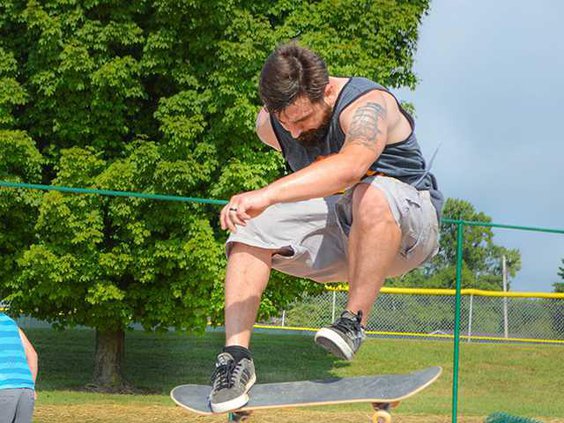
[[108, 359]]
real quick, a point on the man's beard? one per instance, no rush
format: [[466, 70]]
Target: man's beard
[[314, 137]]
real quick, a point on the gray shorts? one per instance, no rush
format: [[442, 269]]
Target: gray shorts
[[314, 233], [16, 405]]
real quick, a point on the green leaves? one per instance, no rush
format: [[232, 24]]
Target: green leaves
[[481, 257], [19, 162], [12, 93], [19, 158], [480, 253], [153, 97]]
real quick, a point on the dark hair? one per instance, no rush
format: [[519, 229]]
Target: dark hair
[[289, 72]]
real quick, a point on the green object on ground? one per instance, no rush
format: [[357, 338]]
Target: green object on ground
[[506, 418]]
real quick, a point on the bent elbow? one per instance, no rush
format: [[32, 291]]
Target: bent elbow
[[351, 178], [356, 174]]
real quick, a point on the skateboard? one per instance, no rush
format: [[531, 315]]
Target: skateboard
[[382, 391]]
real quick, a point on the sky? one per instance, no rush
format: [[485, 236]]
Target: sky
[[491, 93]]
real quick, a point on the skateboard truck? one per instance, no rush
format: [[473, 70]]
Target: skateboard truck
[[238, 416], [383, 411]]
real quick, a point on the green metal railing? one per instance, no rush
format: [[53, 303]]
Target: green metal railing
[[111, 193], [460, 224]]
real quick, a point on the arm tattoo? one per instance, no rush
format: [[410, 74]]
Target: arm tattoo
[[364, 129]]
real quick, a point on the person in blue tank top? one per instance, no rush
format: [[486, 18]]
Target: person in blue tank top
[[359, 205], [18, 371]]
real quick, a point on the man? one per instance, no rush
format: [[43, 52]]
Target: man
[[337, 135], [18, 371]]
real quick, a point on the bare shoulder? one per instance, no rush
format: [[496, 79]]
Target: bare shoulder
[[374, 103], [265, 131], [381, 109]]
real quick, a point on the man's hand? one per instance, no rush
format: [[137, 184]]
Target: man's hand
[[242, 207]]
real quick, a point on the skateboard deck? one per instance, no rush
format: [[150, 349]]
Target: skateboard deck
[[378, 390]]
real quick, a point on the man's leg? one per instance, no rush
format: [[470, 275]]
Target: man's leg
[[8, 404], [374, 243], [248, 271], [24, 411]]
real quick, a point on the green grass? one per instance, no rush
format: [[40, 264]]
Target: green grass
[[524, 380]]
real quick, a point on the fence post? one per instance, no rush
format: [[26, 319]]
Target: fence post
[[504, 274], [470, 309], [456, 355], [334, 305]]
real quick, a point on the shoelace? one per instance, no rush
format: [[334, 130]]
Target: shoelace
[[349, 325], [222, 376]]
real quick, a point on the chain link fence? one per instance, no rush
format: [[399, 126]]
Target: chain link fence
[[485, 316]]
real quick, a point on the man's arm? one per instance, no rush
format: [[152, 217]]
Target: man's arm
[[30, 354], [365, 126], [265, 131]]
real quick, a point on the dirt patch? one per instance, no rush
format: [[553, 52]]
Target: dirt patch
[[108, 413], [112, 413]]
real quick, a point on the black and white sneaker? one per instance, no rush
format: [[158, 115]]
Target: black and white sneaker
[[230, 383], [343, 337]]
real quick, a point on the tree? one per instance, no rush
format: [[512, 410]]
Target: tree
[[156, 97], [559, 286], [19, 161], [482, 258], [557, 309]]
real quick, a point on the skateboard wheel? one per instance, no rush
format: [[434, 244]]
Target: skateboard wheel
[[382, 416]]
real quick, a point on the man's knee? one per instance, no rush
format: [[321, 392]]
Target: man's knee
[[371, 207]]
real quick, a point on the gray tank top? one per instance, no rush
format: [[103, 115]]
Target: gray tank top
[[402, 160]]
